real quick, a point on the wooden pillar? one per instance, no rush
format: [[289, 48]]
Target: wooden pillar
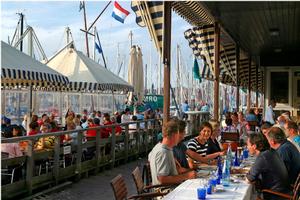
[[237, 58], [217, 71], [167, 59], [256, 96], [249, 86]]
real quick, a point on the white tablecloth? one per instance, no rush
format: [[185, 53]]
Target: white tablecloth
[[188, 191]]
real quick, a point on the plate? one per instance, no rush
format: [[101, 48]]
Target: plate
[[208, 167], [202, 174]]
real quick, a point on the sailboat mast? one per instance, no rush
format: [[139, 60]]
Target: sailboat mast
[[85, 28], [30, 43], [94, 43], [159, 75], [130, 37], [118, 55], [21, 29], [146, 79], [178, 75]]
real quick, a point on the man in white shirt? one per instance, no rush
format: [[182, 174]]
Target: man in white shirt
[[269, 114]]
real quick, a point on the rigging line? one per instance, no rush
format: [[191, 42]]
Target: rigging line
[[16, 32]]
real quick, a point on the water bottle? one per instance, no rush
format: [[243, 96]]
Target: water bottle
[[226, 172], [229, 154], [236, 159], [245, 153], [219, 171]]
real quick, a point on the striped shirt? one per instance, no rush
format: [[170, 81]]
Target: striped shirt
[[195, 146]]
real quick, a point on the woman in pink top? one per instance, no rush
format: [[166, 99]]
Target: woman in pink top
[[13, 149]]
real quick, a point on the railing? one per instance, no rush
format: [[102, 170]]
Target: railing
[[132, 143], [42, 168]]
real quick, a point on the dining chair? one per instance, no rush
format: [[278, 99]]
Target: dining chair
[[120, 190], [294, 196], [142, 188]]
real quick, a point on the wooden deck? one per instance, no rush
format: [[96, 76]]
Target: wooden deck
[[49, 167]]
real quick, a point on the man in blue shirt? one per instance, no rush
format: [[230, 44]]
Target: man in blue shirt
[[286, 150], [268, 170], [184, 108]]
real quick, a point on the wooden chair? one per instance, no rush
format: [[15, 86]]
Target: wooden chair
[[294, 196], [147, 179], [142, 188], [230, 136], [252, 125], [120, 190]]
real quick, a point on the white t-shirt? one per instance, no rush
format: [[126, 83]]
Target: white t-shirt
[[269, 115]]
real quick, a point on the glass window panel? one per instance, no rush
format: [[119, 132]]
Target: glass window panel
[[280, 86]]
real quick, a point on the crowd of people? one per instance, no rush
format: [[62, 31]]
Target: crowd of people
[[49, 124], [275, 146]]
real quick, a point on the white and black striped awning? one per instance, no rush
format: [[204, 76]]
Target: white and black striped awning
[[201, 40], [193, 12], [150, 14], [20, 70], [244, 75]]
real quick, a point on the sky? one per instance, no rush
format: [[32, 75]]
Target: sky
[[50, 18]]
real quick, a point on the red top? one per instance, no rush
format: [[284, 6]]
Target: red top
[[33, 132], [91, 133], [108, 130]]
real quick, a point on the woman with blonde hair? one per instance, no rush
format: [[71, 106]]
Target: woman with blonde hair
[[213, 142]]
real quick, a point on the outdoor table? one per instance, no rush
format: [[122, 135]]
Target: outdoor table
[[240, 189], [188, 191]]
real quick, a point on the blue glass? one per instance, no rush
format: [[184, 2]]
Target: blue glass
[[209, 189], [245, 153], [201, 193], [236, 159]]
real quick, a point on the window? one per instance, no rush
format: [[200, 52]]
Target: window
[[280, 86]]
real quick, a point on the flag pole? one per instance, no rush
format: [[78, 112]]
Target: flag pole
[[102, 50], [98, 16]]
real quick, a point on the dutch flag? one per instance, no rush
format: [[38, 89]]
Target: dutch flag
[[119, 13]]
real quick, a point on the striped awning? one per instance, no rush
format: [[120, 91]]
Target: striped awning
[[201, 40], [84, 73], [21, 70], [150, 14], [193, 12], [244, 75]]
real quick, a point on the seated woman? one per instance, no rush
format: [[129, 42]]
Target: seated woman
[[199, 144], [213, 142], [238, 127], [268, 170], [108, 130], [13, 149]]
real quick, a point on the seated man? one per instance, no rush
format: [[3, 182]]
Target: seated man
[[162, 162], [292, 131], [268, 171], [286, 150]]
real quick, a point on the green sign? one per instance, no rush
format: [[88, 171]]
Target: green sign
[[155, 101]]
